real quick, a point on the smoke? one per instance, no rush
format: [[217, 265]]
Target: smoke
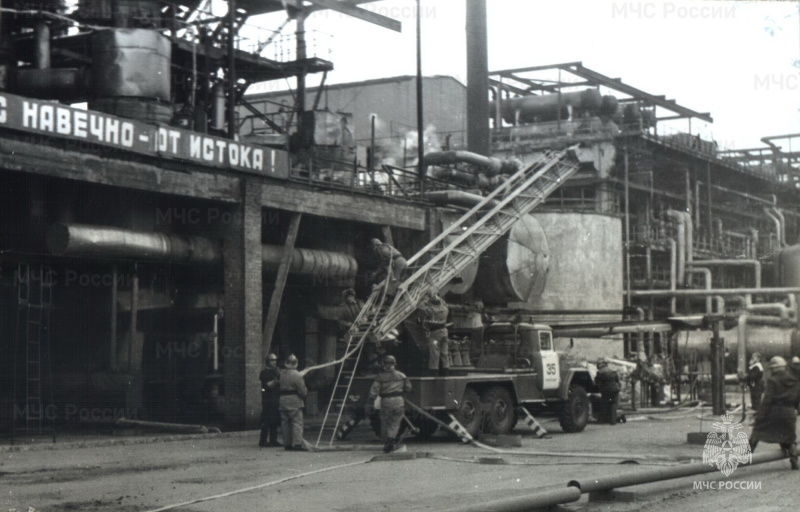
[[401, 151]]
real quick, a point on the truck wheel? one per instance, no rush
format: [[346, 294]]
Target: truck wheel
[[469, 413], [574, 413], [501, 415]]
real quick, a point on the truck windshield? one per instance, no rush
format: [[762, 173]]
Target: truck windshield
[[545, 340]]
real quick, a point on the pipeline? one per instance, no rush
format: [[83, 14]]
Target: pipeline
[[754, 263], [681, 240], [716, 291], [596, 331], [707, 274], [777, 222], [455, 198], [608, 483], [535, 501], [782, 220], [109, 242], [489, 165]]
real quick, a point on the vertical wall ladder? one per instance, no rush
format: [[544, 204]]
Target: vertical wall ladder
[[34, 302]]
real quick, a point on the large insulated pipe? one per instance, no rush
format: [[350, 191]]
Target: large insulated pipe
[[535, 501], [760, 334], [489, 165], [741, 345], [782, 221], [680, 220], [111, 242], [454, 198], [607, 483], [689, 237], [673, 266], [753, 243], [549, 106]]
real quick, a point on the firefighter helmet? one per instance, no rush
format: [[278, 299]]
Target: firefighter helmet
[[777, 362], [291, 361]]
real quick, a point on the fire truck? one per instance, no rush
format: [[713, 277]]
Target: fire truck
[[516, 367]]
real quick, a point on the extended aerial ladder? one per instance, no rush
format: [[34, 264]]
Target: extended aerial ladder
[[444, 258]]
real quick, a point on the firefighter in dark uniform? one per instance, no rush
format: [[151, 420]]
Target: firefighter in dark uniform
[[293, 391], [435, 324], [391, 264], [795, 367], [608, 382], [390, 385], [349, 308], [776, 419], [270, 396], [755, 380]]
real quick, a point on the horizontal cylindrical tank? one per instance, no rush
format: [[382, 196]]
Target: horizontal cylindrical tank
[[133, 63], [467, 275], [768, 340], [516, 267], [546, 106], [585, 269]]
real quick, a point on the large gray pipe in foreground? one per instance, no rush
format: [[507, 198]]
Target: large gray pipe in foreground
[[111, 242], [646, 476]]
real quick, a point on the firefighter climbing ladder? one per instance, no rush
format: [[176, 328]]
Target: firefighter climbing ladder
[[355, 337], [32, 351], [446, 256]]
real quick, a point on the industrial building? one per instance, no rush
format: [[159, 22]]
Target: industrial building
[[162, 230]]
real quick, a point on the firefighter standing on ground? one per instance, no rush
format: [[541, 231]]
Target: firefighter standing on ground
[[755, 380], [608, 382], [435, 325], [270, 397], [776, 419], [390, 385], [293, 391]]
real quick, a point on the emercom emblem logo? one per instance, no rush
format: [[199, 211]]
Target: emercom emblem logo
[[727, 448]]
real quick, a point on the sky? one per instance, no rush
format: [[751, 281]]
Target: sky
[[739, 61]]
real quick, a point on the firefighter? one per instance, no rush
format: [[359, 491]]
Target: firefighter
[[270, 397], [293, 391], [608, 382], [391, 265], [390, 385], [795, 367], [755, 380], [776, 418], [349, 309], [435, 326]]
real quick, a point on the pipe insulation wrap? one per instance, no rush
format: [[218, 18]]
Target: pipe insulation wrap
[[112, 242]]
